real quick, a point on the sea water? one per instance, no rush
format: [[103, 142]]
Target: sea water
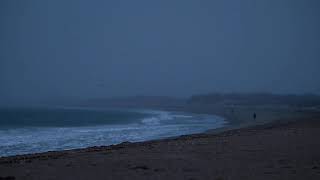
[[33, 130]]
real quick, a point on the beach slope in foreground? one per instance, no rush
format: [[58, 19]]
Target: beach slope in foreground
[[273, 151]]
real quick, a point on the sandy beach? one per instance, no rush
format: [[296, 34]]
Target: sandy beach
[[159, 90], [279, 150]]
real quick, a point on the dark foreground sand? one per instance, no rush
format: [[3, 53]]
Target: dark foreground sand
[[274, 151]]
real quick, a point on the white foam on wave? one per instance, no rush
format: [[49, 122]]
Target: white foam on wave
[[161, 116], [151, 121], [182, 116], [156, 117], [159, 124]]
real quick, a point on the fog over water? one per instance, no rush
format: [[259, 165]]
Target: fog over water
[[51, 50]]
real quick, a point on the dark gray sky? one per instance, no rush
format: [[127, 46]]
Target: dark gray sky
[[81, 48]]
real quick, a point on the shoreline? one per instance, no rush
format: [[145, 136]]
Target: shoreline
[[218, 131], [264, 146], [229, 125], [278, 150], [150, 120]]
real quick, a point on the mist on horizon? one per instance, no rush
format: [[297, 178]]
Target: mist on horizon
[[52, 50]]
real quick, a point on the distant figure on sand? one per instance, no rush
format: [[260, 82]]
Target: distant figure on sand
[[254, 116]]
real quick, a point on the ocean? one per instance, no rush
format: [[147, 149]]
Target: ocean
[[34, 130]]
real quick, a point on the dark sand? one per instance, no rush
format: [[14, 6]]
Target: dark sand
[[274, 151]]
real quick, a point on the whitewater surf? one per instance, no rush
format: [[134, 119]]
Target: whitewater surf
[[24, 131]]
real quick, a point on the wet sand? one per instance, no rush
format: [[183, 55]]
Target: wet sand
[[278, 150]]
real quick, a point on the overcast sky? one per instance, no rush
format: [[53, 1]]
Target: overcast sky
[[54, 49]]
